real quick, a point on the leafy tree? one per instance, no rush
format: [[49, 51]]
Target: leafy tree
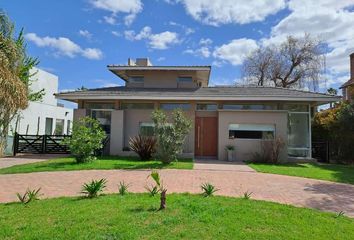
[[294, 63], [336, 125], [15, 78], [87, 136], [170, 136]]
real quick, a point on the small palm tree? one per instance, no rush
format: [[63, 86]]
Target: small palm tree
[[93, 188]]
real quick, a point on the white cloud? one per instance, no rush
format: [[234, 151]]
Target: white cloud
[[235, 51], [110, 19], [187, 30], [205, 41], [117, 34], [64, 46], [216, 12], [160, 41], [129, 7], [203, 50], [85, 34]]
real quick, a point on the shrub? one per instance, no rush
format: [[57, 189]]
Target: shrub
[[170, 136], [29, 196], [87, 137], [93, 188], [208, 189], [270, 150], [123, 188], [156, 177], [144, 146]]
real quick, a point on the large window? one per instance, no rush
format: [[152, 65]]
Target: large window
[[128, 105], [298, 135], [185, 79], [172, 106], [59, 127], [49, 126], [251, 131], [146, 129], [248, 107], [136, 79], [104, 117], [99, 105], [207, 107]]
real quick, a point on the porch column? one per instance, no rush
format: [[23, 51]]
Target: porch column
[[117, 132]]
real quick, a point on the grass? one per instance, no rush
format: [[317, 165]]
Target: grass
[[135, 216], [103, 163], [330, 172]]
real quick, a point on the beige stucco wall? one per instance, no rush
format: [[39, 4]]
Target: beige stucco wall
[[163, 79], [133, 118], [117, 132], [244, 148], [79, 113]]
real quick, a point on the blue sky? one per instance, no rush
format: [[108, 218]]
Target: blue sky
[[77, 39]]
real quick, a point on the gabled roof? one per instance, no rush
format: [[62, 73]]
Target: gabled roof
[[247, 93]]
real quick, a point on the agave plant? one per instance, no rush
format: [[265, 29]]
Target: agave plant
[[93, 188], [29, 196], [152, 190], [208, 189], [123, 188], [144, 146], [247, 195]]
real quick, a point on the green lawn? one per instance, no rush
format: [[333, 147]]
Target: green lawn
[[135, 216], [68, 164], [330, 172]]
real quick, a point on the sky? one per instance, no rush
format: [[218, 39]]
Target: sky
[[77, 39]]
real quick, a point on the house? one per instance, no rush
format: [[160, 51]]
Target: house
[[43, 117], [348, 87], [238, 116]]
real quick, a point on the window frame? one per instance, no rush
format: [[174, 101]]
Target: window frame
[[250, 130], [179, 79], [133, 103], [179, 103], [133, 79]]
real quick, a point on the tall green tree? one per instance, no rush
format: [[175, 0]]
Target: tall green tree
[[15, 77]]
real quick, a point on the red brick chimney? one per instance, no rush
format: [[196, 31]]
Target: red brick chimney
[[352, 66]]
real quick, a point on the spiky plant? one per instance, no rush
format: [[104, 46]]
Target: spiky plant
[[93, 188], [123, 188], [208, 189], [152, 190], [144, 146], [247, 195], [29, 196], [156, 177]]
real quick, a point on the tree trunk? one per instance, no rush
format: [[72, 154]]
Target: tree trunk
[[163, 199]]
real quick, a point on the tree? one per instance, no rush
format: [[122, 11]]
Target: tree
[[336, 125], [292, 64], [170, 136], [87, 136], [332, 91], [15, 78]]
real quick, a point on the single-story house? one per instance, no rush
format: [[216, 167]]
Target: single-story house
[[238, 116]]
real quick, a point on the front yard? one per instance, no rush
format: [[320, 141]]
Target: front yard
[[102, 163], [329, 172], [135, 216]]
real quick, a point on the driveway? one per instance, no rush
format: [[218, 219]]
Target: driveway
[[296, 191], [6, 162]]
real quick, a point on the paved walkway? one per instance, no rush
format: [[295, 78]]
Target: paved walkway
[[23, 159], [297, 191], [222, 165]]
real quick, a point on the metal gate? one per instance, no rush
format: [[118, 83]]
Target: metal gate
[[320, 151], [40, 144]]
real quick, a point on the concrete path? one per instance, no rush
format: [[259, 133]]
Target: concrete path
[[28, 158], [296, 191]]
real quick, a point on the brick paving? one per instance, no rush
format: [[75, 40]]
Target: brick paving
[[296, 191], [6, 162]]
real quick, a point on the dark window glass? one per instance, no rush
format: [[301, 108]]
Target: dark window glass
[[207, 107], [185, 79], [172, 106], [104, 117], [136, 79], [98, 105], [244, 134], [248, 107], [137, 106], [146, 129]]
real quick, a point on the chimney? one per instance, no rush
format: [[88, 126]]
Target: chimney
[[352, 66], [143, 62], [131, 62]]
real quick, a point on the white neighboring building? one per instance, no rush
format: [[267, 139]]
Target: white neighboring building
[[47, 116]]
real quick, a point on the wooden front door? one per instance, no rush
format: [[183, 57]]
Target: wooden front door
[[206, 136]]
